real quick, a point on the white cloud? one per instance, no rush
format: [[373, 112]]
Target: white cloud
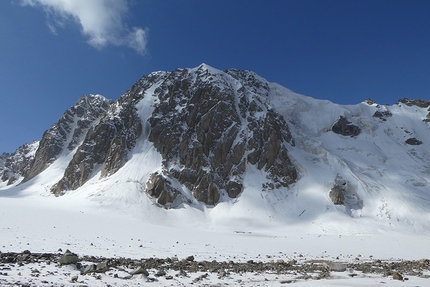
[[101, 21]]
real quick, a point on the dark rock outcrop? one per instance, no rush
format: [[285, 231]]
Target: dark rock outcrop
[[345, 128], [411, 102], [105, 144], [344, 193], [382, 115], [14, 166], [413, 141], [161, 188], [207, 131], [108, 142], [68, 132], [336, 195]]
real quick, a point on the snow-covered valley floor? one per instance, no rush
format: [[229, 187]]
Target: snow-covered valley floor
[[47, 224]]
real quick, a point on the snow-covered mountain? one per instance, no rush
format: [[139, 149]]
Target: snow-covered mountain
[[231, 146]]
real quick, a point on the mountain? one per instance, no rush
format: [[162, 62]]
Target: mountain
[[235, 146]]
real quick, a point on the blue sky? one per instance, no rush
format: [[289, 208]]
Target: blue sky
[[54, 51]]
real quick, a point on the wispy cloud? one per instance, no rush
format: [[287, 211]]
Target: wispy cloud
[[101, 21]]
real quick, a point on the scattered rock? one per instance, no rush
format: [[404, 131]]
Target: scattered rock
[[181, 273], [74, 279], [303, 270], [222, 274], [102, 267], [160, 273], [90, 269], [190, 258], [140, 270], [336, 266], [201, 277], [397, 276]]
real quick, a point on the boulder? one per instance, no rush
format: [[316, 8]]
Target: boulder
[[102, 267], [90, 269], [68, 258], [397, 276], [336, 195], [140, 270]]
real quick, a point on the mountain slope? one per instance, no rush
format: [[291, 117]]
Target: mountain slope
[[233, 147]]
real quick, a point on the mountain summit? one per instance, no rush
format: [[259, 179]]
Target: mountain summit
[[207, 138]]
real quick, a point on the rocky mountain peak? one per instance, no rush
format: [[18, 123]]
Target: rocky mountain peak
[[207, 125]]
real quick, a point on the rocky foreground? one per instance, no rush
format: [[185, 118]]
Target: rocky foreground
[[69, 269]]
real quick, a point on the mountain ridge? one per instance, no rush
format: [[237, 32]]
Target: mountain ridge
[[217, 139]]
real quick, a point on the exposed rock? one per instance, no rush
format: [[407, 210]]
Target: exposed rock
[[190, 258], [74, 279], [68, 132], [90, 268], [369, 101], [300, 270], [107, 143], [345, 128], [160, 273], [397, 276], [203, 127], [102, 267], [413, 141], [336, 266], [159, 187], [411, 102], [382, 115], [68, 258], [14, 166], [140, 270], [344, 193], [336, 195]]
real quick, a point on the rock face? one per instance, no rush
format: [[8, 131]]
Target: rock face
[[206, 129], [14, 166], [67, 133], [106, 144]]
